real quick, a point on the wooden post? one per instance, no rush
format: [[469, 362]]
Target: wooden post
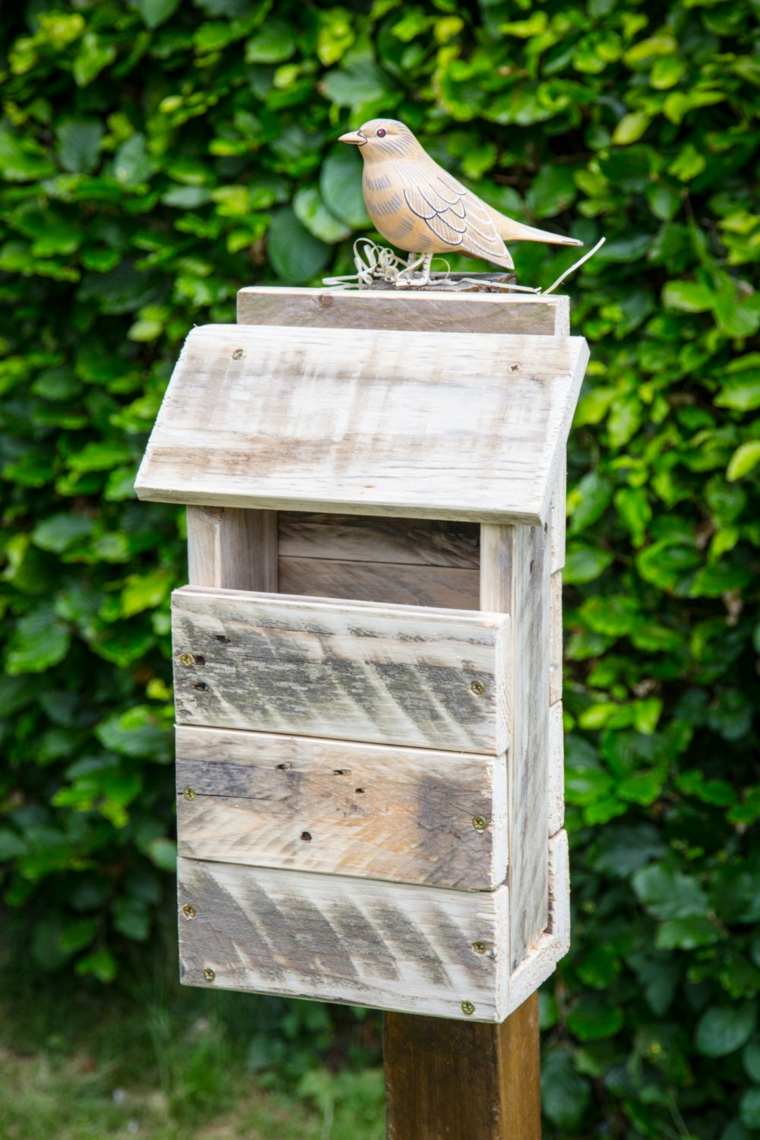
[[446, 1080]]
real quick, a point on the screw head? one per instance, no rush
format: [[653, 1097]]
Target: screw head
[[480, 947], [478, 688], [238, 354], [186, 659], [209, 974], [189, 793], [189, 910], [479, 822], [467, 1007]]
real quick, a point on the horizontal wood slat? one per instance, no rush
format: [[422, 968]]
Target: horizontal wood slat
[[412, 542], [351, 671], [401, 814], [446, 587], [336, 938], [413, 310], [382, 423]]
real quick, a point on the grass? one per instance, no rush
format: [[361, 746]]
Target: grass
[[160, 1062]]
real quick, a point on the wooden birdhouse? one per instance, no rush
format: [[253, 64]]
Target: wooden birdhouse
[[367, 657]]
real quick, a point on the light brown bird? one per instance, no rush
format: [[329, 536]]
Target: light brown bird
[[419, 207]]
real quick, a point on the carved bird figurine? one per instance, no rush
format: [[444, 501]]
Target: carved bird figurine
[[419, 207]]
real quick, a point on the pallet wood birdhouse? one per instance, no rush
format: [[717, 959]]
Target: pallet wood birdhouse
[[367, 657]]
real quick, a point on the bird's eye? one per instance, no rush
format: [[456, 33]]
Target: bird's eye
[[381, 132]]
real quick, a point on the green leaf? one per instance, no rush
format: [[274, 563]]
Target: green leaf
[[630, 128], [749, 1108], [594, 1018], [100, 964], [686, 933], [39, 641], [340, 183], [585, 563], [60, 532], [274, 43], [564, 1094], [155, 12], [136, 732], [295, 254], [362, 82], [552, 191], [314, 215], [687, 297], [132, 165], [667, 893], [163, 852], [745, 459], [78, 144], [724, 1029]]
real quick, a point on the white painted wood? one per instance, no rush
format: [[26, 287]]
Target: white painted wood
[[542, 957], [334, 938], [230, 547], [400, 814], [515, 578], [414, 310], [555, 638], [557, 522], [556, 774], [347, 670], [376, 422]]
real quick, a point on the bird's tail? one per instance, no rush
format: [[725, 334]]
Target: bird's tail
[[511, 230]]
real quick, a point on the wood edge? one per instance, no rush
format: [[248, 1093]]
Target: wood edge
[[556, 780]]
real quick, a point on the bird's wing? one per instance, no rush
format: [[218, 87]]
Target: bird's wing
[[454, 214]]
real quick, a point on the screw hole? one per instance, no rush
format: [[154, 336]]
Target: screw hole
[[201, 686], [359, 791], [306, 836], [532, 565], [221, 638], [238, 354], [340, 771], [283, 767], [514, 368]]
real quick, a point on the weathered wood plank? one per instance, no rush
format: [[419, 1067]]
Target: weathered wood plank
[[415, 310], [557, 525], [556, 777], [515, 579], [382, 423], [555, 638], [438, 586], [400, 814], [352, 671], [448, 1081], [353, 538], [336, 938], [230, 547], [554, 943]]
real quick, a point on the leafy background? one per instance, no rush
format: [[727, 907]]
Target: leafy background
[[155, 156]]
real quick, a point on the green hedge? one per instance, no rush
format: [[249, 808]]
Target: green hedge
[[157, 155]]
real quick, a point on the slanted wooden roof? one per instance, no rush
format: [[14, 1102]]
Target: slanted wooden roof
[[365, 421]]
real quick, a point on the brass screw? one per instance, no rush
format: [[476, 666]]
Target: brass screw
[[467, 1007], [478, 688], [237, 354], [479, 822], [480, 947], [209, 974], [186, 659], [189, 793], [189, 910]]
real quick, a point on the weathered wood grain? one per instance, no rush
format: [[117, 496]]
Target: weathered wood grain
[[557, 525], [449, 1081], [336, 938], [515, 579], [556, 776], [379, 423], [541, 960], [437, 586], [353, 671], [415, 310], [555, 638], [230, 547], [353, 538], [400, 814]]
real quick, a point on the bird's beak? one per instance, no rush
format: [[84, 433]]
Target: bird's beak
[[356, 138]]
